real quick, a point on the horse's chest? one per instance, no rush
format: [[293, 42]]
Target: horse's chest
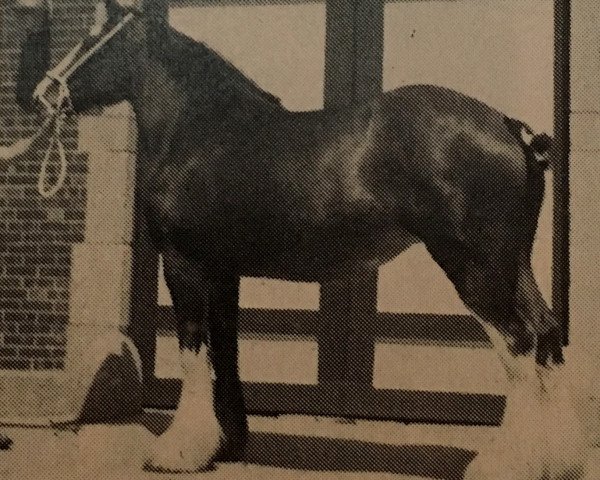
[[178, 195]]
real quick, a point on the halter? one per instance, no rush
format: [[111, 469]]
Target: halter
[[63, 71], [61, 74]]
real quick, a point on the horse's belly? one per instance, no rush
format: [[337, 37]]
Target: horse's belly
[[317, 257], [278, 240]]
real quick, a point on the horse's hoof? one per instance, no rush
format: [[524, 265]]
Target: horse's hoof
[[158, 466], [488, 466], [508, 463], [233, 444], [179, 462], [567, 450]]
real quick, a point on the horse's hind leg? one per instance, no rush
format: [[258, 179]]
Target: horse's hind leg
[[540, 438], [192, 440], [563, 444]]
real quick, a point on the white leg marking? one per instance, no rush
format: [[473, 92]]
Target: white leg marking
[[193, 439], [565, 444], [541, 437]]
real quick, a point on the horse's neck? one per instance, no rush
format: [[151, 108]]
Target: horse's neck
[[165, 106], [158, 106]]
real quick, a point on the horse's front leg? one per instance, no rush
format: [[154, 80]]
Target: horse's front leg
[[229, 397], [192, 441]]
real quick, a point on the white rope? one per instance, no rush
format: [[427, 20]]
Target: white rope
[[62, 173], [58, 115], [7, 154]]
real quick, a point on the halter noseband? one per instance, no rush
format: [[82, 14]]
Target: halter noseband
[[63, 71]]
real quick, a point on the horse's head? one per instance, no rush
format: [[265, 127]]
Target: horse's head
[[99, 70]]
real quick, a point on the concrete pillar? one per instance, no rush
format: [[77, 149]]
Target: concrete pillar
[[103, 367]]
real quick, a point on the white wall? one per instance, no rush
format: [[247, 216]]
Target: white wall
[[584, 354]]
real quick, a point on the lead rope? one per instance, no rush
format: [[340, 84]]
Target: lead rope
[[55, 141], [59, 114], [20, 147]]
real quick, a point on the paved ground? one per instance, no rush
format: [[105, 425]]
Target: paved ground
[[295, 448]]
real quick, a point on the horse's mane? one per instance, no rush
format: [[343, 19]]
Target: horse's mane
[[194, 63]]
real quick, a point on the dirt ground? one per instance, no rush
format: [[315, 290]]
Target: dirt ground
[[287, 447]]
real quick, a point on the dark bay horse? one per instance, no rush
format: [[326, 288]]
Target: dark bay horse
[[234, 184]]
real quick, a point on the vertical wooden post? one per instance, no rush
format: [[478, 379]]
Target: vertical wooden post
[[561, 214], [339, 53], [353, 74], [368, 49], [144, 271], [353, 51]]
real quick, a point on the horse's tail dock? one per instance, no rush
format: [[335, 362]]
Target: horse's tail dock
[[539, 144]]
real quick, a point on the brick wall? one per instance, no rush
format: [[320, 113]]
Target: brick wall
[[36, 234]]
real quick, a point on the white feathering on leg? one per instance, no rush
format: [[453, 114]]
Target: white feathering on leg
[[193, 439], [540, 437]]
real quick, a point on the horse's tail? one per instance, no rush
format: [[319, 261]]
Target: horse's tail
[[537, 145]]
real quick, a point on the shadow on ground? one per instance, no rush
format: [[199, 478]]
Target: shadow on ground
[[330, 454]]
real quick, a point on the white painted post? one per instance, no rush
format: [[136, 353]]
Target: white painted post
[[583, 356], [103, 367]]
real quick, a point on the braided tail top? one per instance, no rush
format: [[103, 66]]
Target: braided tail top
[[538, 144]]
